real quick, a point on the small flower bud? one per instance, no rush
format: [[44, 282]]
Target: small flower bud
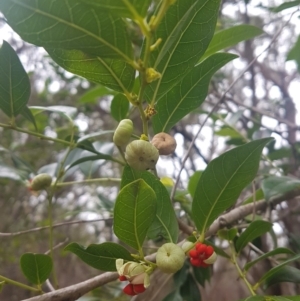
[[128, 290], [40, 182], [152, 75], [170, 258]]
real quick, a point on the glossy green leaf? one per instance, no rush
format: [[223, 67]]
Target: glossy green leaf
[[14, 82], [285, 5], [190, 290], [26, 113], [36, 267], [294, 53], [165, 223], [273, 186], [185, 31], [223, 180], [134, 213], [69, 24], [193, 181], [226, 131], [100, 256], [270, 274], [124, 8], [227, 234], [189, 94], [111, 73], [119, 107], [267, 255], [254, 230], [285, 274], [230, 37]]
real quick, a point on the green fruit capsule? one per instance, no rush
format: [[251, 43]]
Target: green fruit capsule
[[141, 155], [123, 132], [40, 182]]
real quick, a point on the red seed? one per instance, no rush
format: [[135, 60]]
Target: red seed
[[122, 278], [204, 265], [196, 262], [209, 251], [193, 253], [138, 288], [200, 248], [128, 290]]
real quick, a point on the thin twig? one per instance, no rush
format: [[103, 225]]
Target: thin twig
[[54, 226]]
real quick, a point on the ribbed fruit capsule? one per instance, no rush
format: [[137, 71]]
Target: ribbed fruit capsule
[[165, 143], [170, 258], [40, 182], [141, 155], [123, 132]]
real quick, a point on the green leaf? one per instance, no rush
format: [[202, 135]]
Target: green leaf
[[189, 94], [273, 186], [26, 113], [285, 5], [185, 31], [294, 53], [100, 256], [202, 275], [69, 24], [14, 82], [90, 158], [254, 230], [269, 275], [285, 274], [229, 131], [190, 290], [174, 296], [227, 234], [92, 96], [36, 267], [94, 135], [277, 298], [230, 37], [254, 298], [223, 180], [134, 213], [121, 7], [67, 111], [193, 181], [119, 107], [266, 255], [112, 73], [165, 223], [7, 172]]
